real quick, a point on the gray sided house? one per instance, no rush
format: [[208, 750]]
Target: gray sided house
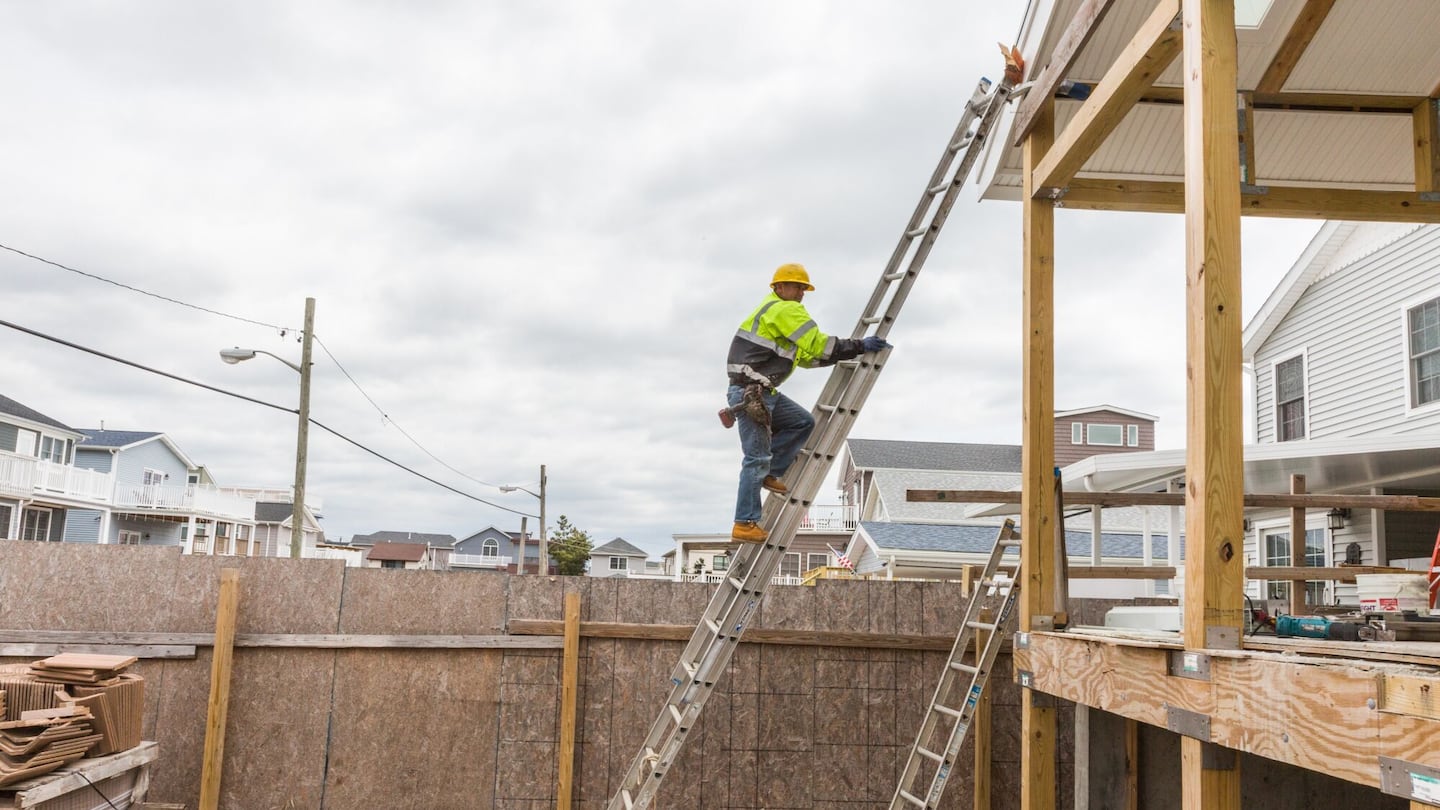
[[44, 496], [490, 549], [160, 496], [272, 535], [617, 558], [1345, 355], [438, 547]]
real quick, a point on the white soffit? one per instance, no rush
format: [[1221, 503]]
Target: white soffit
[[1375, 46], [1321, 147]]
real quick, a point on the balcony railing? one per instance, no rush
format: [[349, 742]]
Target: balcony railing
[[478, 561], [837, 518], [183, 498], [715, 577], [23, 475]]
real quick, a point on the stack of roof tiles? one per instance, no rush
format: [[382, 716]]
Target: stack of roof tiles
[[42, 741]]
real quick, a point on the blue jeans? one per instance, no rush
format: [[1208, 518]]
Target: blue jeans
[[767, 452]]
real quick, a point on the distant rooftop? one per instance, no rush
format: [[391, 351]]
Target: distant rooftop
[[114, 438], [949, 456], [402, 552], [432, 540], [13, 408], [619, 548]]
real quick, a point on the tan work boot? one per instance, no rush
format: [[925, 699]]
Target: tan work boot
[[775, 485], [748, 531]]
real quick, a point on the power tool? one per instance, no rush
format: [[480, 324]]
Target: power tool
[[1327, 628]]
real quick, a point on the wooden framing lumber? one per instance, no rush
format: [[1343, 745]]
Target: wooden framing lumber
[[1253, 573], [1302, 31], [1317, 713], [1427, 145], [213, 758], [1267, 500], [1373, 103], [1245, 118], [1039, 518], [1214, 558], [1297, 547], [981, 727], [1082, 26], [569, 690], [1149, 53], [17, 650], [104, 640], [753, 635], [1286, 202]]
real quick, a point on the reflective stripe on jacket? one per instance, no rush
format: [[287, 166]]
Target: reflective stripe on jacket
[[778, 336]]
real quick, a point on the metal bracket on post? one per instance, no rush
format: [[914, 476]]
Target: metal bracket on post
[[1189, 664], [1222, 638], [1258, 191], [1038, 699], [1022, 640], [1191, 724], [1429, 196], [1042, 624], [1410, 780]]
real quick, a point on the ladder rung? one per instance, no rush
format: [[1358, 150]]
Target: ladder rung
[[713, 625], [933, 190], [928, 754], [873, 319], [629, 802], [651, 755], [920, 231], [896, 276], [946, 710], [690, 669], [961, 144], [913, 799], [739, 584], [1012, 543], [996, 583], [677, 714], [986, 626], [960, 667], [828, 408]]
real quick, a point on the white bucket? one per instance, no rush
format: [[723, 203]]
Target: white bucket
[[1392, 593]]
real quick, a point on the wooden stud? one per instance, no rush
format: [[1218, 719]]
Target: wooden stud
[[1374, 103], [1206, 784], [1038, 547], [1427, 145], [1082, 26], [1214, 559], [1149, 53], [569, 689], [213, 759], [981, 727], [1285, 202], [1245, 119], [1302, 31], [1132, 765], [1297, 547]]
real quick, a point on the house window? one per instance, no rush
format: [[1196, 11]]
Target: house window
[[813, 561], [25, 442], [1108, 435], [1077, 433], [392, 563], [52, 449], [242, 532], [720, 563], [1132, 435], [35, 525], [1277, 553], [1290, 399], [1424, 329], [790, 565], [6, 514], [619, 564], [490, 548], [129, 538], [152, 478]]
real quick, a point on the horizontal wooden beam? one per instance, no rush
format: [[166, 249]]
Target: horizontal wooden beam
[[1082, 26], [1318, 714], [1303, 101], [1292, 202], [1262, 500], [754, 635], [1134, 70], [1253, 573], [135, 650], [74, 638], [1292, 48]]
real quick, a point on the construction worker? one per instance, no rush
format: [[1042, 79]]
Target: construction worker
[[771, 342]]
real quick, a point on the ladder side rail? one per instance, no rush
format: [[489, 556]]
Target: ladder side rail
[[942, 212], [962, 130]]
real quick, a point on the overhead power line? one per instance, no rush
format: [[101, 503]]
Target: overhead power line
[[255, 401]]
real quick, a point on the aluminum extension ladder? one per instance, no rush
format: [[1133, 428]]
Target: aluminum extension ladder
[[944, 720], [735, 600]]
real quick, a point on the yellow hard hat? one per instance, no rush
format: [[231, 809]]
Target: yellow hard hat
[[792, 272]]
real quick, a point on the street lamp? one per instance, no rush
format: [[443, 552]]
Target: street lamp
[[302, 431], [543, 564]]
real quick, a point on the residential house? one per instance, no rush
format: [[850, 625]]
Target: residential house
[[160, 497], [407, 556], [43, 494], [438, 546], [490, 549], [617, 558], [273, 535], [823, 532]]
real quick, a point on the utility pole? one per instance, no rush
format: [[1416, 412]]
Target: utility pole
[[302, 435], [544, 549]]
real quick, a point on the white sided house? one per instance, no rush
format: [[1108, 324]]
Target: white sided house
[[617, 558]]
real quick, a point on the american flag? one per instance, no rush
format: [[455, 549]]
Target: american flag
[[840, 558]]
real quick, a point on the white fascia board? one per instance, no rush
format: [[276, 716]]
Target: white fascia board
[[1312, 260], [1038, 20], [1111, 409]]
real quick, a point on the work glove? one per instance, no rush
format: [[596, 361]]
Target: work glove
[[874, 343]]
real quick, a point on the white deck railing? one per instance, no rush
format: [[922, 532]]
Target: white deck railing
[[829, 518], [478, 561], [198, 499], [24, 475], [714, 577]]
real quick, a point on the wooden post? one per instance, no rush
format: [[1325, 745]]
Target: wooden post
[[1214, 558], [213, 759], [1427, 145], [981, 728], [1297, 547], [569, 687], [1132, 764], [1038, 547]]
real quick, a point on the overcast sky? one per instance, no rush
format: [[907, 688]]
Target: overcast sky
[[531, 229]]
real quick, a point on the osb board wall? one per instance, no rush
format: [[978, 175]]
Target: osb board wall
[[787, 727]]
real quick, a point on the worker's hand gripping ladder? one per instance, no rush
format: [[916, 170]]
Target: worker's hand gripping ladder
[[952, 711], [736, 599]]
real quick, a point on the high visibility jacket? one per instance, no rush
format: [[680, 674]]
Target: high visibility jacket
[[778, 336]]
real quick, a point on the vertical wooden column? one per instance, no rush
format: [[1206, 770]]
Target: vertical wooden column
[[569, 688], [981, 728], [213, 759], [1297, 547], [1132, 765], [1427, 146], [1214, 513], [1037, 522]]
